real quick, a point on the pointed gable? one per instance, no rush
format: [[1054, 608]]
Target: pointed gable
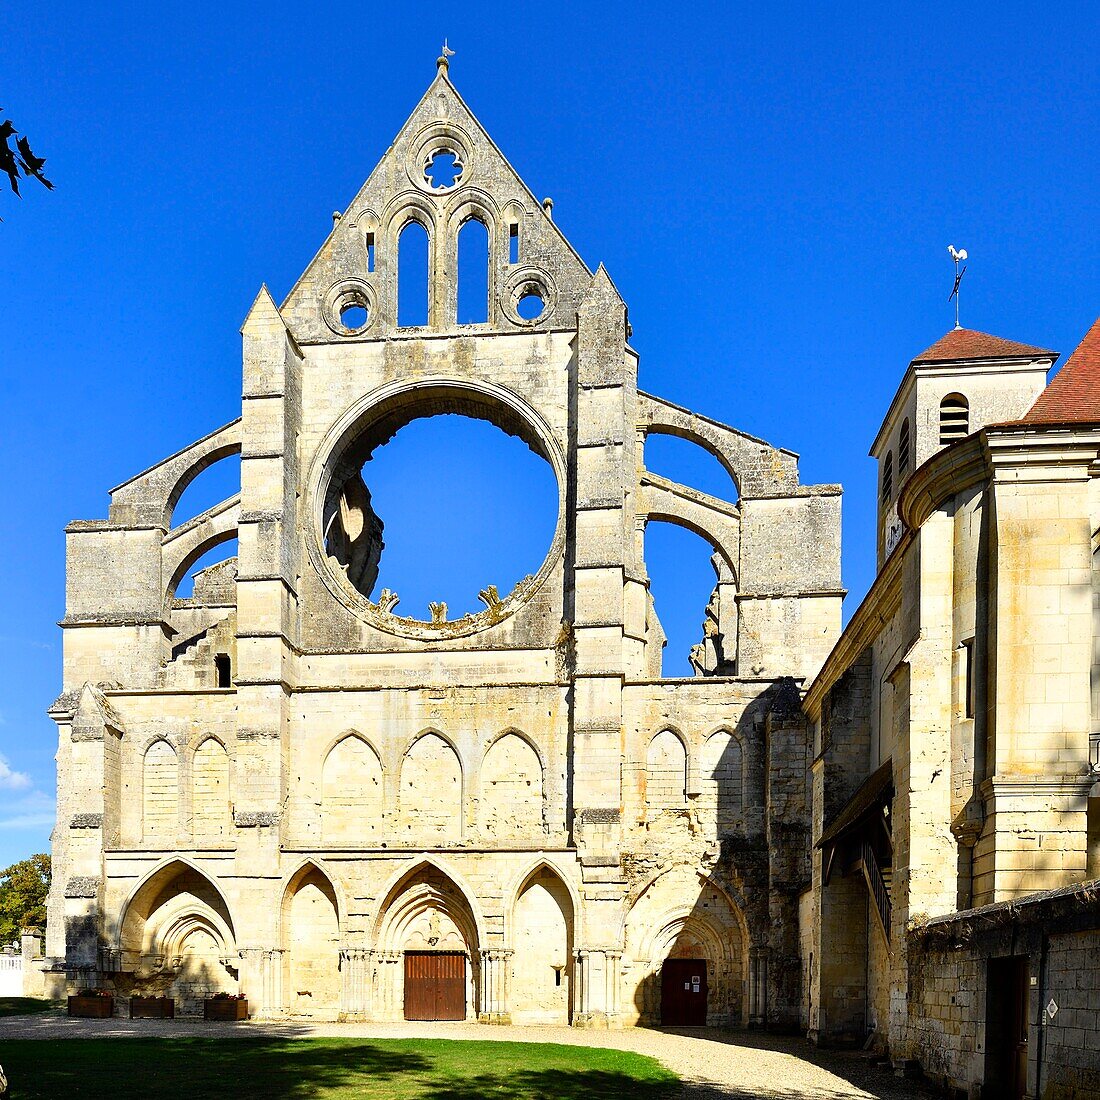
[[358, 263], [1073, 397], [964, 343]]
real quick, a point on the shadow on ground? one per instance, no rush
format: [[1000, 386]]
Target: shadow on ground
[[865, 1073], [151, 1068]]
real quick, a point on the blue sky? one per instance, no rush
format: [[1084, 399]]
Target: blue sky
[[772, 188]]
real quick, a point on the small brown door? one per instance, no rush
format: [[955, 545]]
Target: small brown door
[[1006, 1024], [684, 992], [435, 985]]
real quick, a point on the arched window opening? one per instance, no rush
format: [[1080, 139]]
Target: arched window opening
[[690, 464], [473, 273], [218, 482], [412, 276], [954, 418], [212, 579], [688, 631], [888, 478], [904, 446], [665, 774], [160, 792], [428, 485]]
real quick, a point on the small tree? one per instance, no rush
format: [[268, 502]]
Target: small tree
[[19, 161], [23, 889]]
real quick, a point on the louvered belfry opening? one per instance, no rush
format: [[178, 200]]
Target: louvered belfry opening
[[954, 418]]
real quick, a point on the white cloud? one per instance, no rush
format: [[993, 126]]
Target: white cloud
[[33, 810], [11, 780]]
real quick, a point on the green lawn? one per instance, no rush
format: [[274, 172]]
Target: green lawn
[[24, 1006], [394, 1069]]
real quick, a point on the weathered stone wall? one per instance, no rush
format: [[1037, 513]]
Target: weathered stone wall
[[950, 1010], [517, 788]]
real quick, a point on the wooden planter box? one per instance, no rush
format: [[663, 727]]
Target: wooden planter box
[[152, 1008], [92, 1008], [224, 1009]]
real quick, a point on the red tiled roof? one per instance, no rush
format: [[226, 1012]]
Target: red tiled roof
[[965, 343], [1073, 396]]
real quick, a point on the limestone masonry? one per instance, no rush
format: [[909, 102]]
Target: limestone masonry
[[285, 786]]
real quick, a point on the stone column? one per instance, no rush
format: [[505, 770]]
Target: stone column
[[581, 990], [355, 981], [495, 964], [387, 1003], [596, 997], [758, 986], [261, 980], [613, 986]]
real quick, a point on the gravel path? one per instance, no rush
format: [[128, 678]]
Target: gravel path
[[714, 1064]]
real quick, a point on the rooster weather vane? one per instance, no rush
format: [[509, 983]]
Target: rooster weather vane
[[959, 256]]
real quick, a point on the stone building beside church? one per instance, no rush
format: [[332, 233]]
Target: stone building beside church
[[290, 786], [954, 909]]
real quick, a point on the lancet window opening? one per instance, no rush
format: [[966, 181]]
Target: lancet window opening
[[413, 275]]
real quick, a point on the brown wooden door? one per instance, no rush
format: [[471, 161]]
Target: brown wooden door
[[1006, 1026], [435, 985], [684, 992]]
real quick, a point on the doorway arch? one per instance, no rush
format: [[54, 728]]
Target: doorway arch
[[683, 916], [427, 931]]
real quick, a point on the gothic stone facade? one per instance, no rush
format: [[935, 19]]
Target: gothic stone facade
[[283, 786]]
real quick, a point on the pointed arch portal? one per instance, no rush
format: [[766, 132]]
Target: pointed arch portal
[[427, 946], [176, 938]]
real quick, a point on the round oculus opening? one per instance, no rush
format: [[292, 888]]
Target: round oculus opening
[[354, 316], [441, 512], [531, 303], [349, 309]]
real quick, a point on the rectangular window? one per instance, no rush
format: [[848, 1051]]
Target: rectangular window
[[968, 678], [223, 671], [513, 243], [370, 252]]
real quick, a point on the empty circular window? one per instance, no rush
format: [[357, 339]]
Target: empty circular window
[[440, 507], [354, 316], [348, 308], [529, 296], [531, 305]]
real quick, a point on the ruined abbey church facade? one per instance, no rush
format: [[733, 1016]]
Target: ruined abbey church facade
[[287, 785]]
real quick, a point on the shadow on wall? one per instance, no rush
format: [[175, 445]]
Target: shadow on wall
[[687, 942]]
